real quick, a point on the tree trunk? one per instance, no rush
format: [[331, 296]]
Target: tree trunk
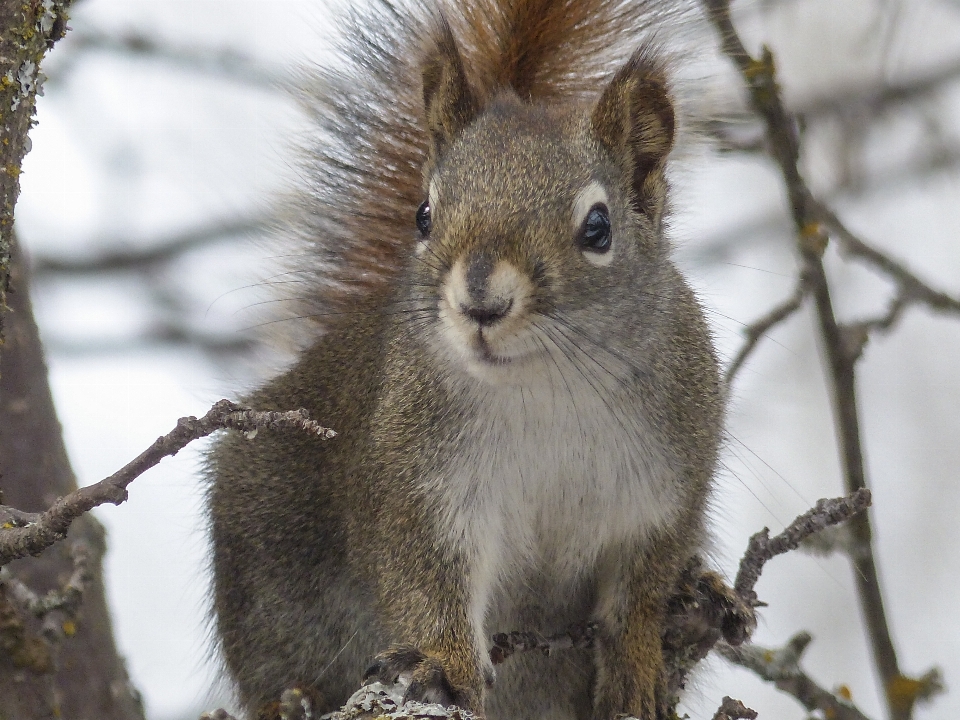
[[27, 31], [80, 677]]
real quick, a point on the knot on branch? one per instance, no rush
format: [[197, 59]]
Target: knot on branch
[[905, 692], [814, 239], [731, 709]]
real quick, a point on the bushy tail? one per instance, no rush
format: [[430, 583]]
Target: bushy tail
[[362, 175]]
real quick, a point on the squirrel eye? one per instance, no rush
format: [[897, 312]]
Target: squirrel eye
[[595, 232], [424, 223]]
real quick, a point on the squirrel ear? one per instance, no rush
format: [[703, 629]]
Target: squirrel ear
[[449, 103], [634, 121]]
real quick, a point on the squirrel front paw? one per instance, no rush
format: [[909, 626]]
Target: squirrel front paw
[[425, 677], [737, 617]]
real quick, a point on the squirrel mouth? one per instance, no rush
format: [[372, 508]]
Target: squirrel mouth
[[485, 354]]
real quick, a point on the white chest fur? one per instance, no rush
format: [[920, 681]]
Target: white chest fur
[[549, 475]]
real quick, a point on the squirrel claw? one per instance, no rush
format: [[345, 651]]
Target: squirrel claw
[[387, 666], [427, 677], [430, 684]]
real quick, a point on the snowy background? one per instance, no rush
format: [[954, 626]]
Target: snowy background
[[162, 124]]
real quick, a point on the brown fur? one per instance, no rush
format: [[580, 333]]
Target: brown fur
[[375, 546], [364, 171]]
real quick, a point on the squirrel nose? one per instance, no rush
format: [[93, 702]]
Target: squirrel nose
[[489, 313]]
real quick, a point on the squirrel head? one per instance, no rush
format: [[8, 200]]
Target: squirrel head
[[542, 226]]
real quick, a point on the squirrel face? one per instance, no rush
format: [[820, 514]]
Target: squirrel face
[[542, 226], [540, 232]]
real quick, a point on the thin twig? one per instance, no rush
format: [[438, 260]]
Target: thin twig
[[911, 286], [126, 257], [722, 245], [874, 101], [165, 333], [23, 534], [704, 611], [857, 334], [232, 64], [762, 547], [852, 105], [757, 329], [506, 644], [781, 666]]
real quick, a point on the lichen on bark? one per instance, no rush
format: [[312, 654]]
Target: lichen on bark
[[28, 29]]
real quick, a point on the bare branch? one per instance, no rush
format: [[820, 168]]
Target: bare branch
[[759, 75], [856, 335], [853, 105], [41, 530], [127, 257], [781, 666], [164, 334], [506, 644], [757, 329], [911, 287], [721, 245], [228, 63], [762, 547], [220, 714], [874, 101], [378, 700], [704, 611], [836, 539]]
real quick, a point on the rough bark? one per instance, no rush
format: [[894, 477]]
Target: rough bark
[[28, 28], [80, 675]]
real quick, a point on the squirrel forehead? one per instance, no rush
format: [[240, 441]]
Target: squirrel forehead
[[517, 153]]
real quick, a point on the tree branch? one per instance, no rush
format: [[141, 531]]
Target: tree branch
[[58, 608], [762, 547], [757, 329], [911, 287], [759, 75], [506, 644], [781, 666], [228, 63], [129, 258], [721, 245], [874, 101], [161, 334], [852, 104], [23, 534]]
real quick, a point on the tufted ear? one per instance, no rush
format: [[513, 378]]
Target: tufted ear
[[634, 121], [449, 103]]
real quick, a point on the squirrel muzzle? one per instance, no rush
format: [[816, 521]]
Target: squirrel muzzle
[[484, 311]]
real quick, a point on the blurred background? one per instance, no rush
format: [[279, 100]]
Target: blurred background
[[165, 136]]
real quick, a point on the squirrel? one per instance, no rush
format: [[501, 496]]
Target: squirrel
[[524, 387]]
